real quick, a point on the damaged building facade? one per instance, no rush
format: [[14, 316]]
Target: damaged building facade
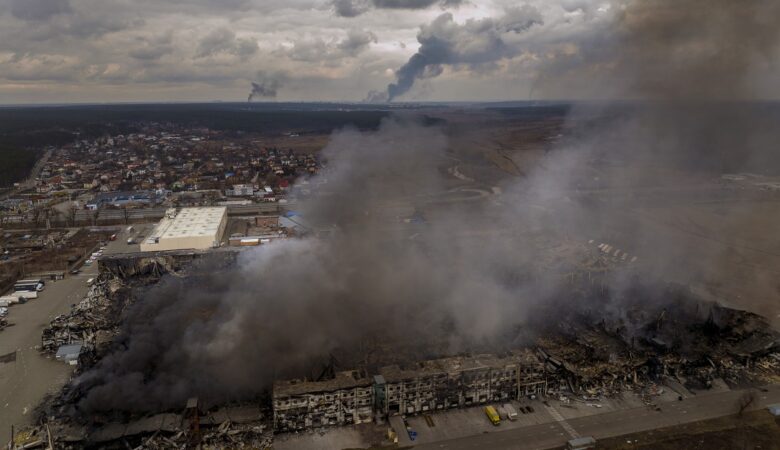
[[344, 400], [457, 382], [432, 385]]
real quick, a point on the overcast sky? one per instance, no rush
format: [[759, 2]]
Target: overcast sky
[[351, 50]]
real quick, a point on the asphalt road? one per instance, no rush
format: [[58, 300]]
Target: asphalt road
[[549, 435], [25, 382]]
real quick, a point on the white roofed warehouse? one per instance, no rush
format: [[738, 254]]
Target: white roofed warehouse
[[188, 228]]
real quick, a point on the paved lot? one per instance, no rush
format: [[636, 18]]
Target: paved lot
[[332, 439], [459, 423], [25, 382], [614, 423]]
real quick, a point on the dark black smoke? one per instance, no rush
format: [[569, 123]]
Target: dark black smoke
[[447, 43]]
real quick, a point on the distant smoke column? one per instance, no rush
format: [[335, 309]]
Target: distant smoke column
[[445, 42], [407, 74], [267, 87]]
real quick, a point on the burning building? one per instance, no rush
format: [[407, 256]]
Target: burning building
[[353, 398]]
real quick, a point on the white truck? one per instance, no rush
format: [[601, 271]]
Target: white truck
[[26, 294], [8, 300], [511, 413]]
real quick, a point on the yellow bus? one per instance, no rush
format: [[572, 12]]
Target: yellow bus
[[492, 414]]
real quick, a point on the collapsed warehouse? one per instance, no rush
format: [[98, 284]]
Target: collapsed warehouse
[[588, 353]]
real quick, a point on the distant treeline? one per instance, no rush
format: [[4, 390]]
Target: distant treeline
[[15, 163], [101, 119]]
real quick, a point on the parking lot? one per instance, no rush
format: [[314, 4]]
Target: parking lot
[[457, 423], [25, 382]]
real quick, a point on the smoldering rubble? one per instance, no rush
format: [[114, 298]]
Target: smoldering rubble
[[602, 344], [367, 293], [226, 335]]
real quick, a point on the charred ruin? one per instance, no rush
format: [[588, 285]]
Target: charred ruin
[[588, 354]]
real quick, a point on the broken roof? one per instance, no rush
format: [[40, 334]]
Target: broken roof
[[343, 380], [451, 365]]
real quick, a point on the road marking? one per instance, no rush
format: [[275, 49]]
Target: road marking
[[564, 424]]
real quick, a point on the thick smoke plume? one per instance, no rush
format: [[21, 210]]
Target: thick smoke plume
[[475, 42], [649, 170], [433, 290], [458, 282]]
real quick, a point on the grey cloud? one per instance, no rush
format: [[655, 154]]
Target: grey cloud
[[356, 41], [319, 50], [350, 8], [150, 53], [36, 10], [354, 8], [476, 42], [586, 6], [223, 40], [404, 4], [520, 19]]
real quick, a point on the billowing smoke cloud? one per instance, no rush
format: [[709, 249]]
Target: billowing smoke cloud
[[444, 42], [429, 288], [627, 175], [267, 85], [650, 170]]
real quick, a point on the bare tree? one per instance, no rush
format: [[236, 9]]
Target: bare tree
[[71, 214]]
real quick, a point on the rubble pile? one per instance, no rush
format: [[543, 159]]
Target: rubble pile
[[92, 322], [603, 351], [226, 427], [645, 342]]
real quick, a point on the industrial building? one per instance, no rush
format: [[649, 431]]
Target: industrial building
[[426, 386], [188, 228]]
